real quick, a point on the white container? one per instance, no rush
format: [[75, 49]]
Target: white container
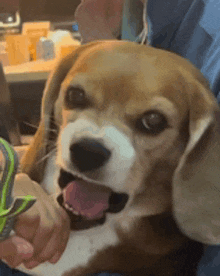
[[45, 49]]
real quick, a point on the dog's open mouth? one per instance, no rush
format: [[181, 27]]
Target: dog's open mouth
[[86, 202]]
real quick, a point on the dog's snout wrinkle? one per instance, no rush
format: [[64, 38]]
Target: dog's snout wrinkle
[[89, 154]]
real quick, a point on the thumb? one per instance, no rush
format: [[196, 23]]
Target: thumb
[[16, 246]]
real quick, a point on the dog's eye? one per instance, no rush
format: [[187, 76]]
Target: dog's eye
[[75, 97], [153, 122]]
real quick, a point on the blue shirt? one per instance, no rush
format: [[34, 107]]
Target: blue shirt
[[190, 28]]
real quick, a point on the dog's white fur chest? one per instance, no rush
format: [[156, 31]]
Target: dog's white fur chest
[[81, 247]]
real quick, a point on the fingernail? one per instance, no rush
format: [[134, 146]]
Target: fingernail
[[55, 258], [24, 248]]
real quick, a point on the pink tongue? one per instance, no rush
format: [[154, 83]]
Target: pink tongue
[[88, 199]]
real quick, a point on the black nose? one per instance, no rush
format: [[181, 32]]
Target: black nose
[[88, 154]]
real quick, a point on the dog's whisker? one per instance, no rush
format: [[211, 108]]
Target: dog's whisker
[[53, 121], [53, 130], [49, 143], [36, 127], [47, 156], [31, 125]]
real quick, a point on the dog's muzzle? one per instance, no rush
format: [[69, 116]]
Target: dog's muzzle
[[84, 200]]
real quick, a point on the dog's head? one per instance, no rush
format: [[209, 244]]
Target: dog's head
[[137, 131]]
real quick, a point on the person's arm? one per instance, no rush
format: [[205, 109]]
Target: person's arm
[[99, 19]]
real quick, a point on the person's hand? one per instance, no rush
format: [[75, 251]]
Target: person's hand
[[45, 225], [15, 247], [99, 19]]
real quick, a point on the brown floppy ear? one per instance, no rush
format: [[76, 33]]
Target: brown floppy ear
[[196, 182], [33, 161]]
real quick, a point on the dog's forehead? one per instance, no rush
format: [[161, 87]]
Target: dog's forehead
[[124, 59], [125, 72], [128, 57]]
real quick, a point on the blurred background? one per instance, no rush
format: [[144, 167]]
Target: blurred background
[[33, 34], [60, 12]]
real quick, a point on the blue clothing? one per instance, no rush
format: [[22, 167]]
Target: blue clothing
[[190, 28], [7, 271], [210, 262]]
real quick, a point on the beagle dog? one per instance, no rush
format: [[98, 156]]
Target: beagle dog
[[129, 145]]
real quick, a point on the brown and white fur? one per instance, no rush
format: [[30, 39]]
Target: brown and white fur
[[171, 176]]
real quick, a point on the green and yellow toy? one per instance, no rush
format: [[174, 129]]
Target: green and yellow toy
[[10, 207]]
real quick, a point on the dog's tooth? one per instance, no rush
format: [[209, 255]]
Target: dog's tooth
[[68, 207], [75, 212]]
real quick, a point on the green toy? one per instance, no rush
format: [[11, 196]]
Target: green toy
[[9, 207]]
